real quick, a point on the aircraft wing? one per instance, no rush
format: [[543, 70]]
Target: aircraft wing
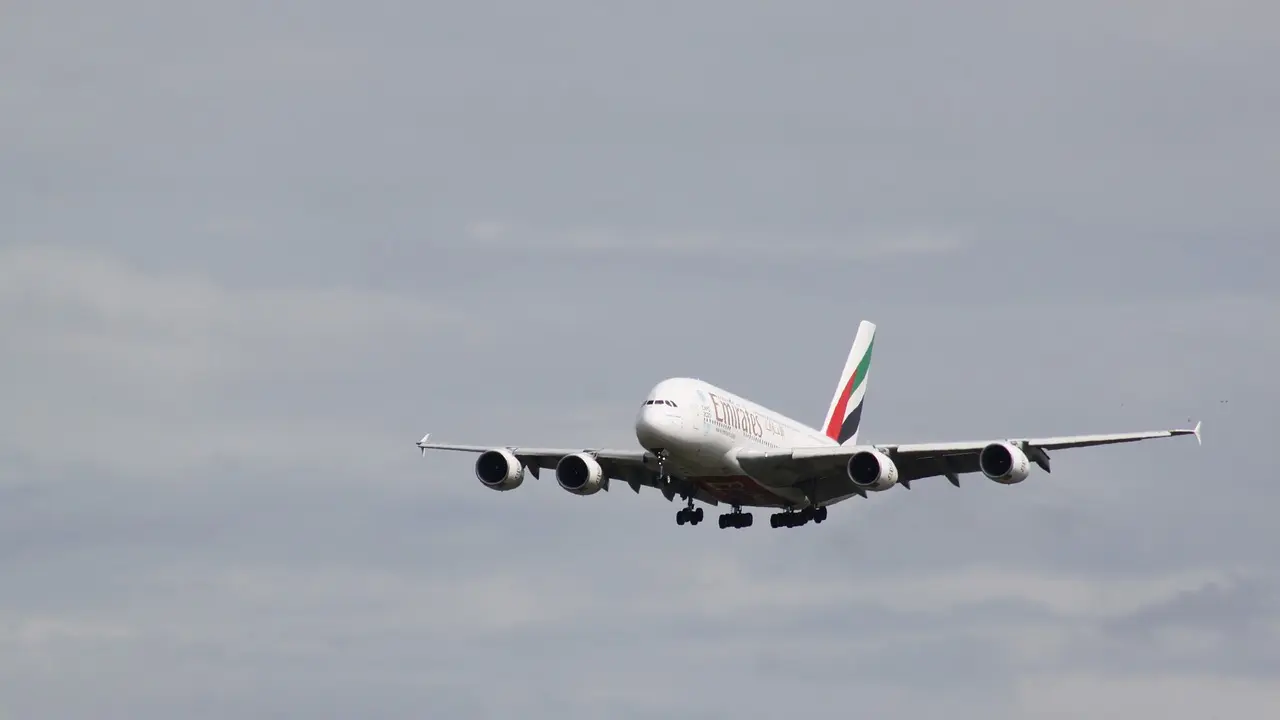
[[637, 468], [824, 466]]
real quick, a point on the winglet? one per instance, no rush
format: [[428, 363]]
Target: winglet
[[422, 444], [1196, 432]]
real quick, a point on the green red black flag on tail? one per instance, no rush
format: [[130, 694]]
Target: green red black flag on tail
[[844, 416]]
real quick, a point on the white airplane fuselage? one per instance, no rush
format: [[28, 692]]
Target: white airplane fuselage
[[700, 427]]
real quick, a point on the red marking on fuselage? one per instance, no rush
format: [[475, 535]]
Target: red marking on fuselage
[[737, 490]]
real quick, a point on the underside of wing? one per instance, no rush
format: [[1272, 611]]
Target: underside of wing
[[582, 471], [829, 473], [820, 476], [1001, 460]]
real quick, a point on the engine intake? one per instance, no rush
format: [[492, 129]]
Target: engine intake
[[499, 470], [872, 470], [1005, 463], [580, 474]]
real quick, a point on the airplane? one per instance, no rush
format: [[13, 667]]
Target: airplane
[[704, 443]]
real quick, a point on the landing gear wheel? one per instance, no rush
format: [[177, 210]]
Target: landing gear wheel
[[690, 515], [735, 519], [790, 518], [820, 514]]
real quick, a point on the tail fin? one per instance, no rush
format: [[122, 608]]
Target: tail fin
[[845, 414]]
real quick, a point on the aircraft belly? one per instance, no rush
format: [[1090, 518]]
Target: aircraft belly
[[740, 490], [731, 486], [707, 465]]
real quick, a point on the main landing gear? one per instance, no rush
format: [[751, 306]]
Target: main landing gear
[[689, 514], [791, 518], [735, 519]]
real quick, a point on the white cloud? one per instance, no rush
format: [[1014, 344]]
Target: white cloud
[[1165, 696], [129, 368], [40, 632], [861, 243], [1063, 594], [485, 230], [78, 302], [1197, 24]]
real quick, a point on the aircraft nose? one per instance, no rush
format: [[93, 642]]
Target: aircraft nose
[[654, 427]]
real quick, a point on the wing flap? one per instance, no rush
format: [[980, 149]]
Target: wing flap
[[634, 467], [824, 465], [547, 457], [1062, 443], [1046, 443]]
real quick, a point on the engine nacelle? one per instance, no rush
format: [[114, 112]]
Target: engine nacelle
[[1005, 463], [499, 470], [872, 470], [580, 474]]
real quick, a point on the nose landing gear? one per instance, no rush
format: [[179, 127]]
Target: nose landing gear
[[661, 456]]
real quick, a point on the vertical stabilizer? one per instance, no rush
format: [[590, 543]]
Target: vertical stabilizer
[[845, 413]]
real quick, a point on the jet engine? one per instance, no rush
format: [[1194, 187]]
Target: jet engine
[[499, 470], [1005, 463], [580, 474], [872, 470]]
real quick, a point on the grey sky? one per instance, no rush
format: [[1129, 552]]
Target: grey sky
[[250, 255]]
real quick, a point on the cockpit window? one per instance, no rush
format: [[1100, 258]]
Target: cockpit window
[[660, 402]]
